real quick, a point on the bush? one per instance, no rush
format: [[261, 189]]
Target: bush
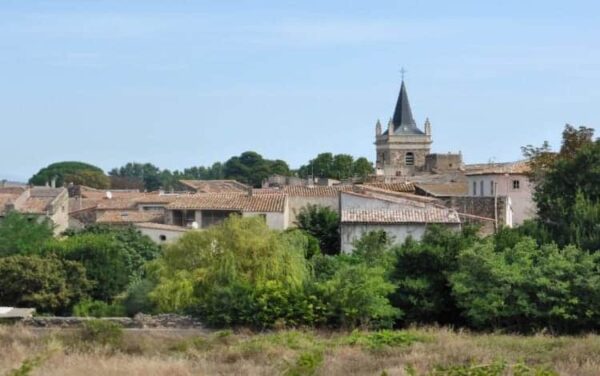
[[102, 332], [221, 274], [357, 295], [21, 234], [528, 287], [322, 223], [381, 339], [421, 273], [137, 297], [49, 285], [96, 308]]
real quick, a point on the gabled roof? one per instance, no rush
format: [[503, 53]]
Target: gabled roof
[[519, 167], [394, 187], [129, 216], [261, 203], [215, 186], [398, 216], [443, 189]]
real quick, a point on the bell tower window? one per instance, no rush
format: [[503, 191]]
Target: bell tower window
[[409, 159]]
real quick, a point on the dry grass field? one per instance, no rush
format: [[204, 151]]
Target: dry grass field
[[427, 351]]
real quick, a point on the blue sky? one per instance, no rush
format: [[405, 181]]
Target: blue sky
[[181, 83]]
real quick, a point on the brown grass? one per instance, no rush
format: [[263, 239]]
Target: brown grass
[[175, 353]]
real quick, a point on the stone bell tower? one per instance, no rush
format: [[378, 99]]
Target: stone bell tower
[[402, 147]]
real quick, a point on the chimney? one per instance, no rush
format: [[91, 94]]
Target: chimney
[[250, 191], [53, 182]]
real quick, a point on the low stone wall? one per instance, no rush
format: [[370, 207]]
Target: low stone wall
[[164, 321]]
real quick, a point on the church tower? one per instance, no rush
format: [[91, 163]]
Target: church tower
[[402, 148]]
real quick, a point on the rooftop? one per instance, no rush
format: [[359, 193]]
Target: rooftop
[[519, 167], [395, 216], [215, 186], [268, 202], [129, 216]]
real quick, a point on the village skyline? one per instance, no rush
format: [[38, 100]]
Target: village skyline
[[191, 84]]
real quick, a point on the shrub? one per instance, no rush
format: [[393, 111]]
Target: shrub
[[357, 295], [322, 223], [96, 308], [137, 297], [381, 339], [20, 234], [223, 273], [528, 287], [421, 273], [49, 285], [102, 332]]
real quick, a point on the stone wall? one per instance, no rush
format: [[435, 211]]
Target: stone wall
[[164, 321], [480, 210], [443, 162]]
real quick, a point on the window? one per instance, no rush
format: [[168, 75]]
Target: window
[[474, 188], [481, 188], [516, 184], [492, 187], [163, 238], [409, 159], [183, 217]]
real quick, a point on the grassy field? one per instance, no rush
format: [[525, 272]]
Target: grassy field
[[428, 351]]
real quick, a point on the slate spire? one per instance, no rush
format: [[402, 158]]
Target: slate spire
[[403, 114]]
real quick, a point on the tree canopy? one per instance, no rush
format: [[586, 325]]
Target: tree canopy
[[71, 172]]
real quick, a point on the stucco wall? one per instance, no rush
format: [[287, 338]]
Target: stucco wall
[[275, 221], [155, 234], [521, 199]]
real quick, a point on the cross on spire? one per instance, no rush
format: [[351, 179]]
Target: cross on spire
[[402, 71]]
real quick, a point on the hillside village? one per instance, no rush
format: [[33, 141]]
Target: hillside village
[[412, 187]]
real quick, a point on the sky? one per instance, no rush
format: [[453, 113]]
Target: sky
[[186, 83]]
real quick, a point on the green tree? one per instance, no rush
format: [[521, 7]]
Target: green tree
[[343, 166], [567, 193], [322, 223], [528, 287], [241, 254], [362, 168], [83, 173], [48, 284], [421, 273], [357, 295], [146, 172], [21, 234], [252, 169]]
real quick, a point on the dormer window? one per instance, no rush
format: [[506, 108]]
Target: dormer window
[[409, 159]]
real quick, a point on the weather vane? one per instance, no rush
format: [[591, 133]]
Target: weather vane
[[402, 71]]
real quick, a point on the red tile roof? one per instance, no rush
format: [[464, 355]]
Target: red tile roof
[[231, 201], [519, 168], [215, 186], [397, 216], [129, 216]]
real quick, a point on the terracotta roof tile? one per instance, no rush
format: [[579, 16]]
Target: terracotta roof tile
[[35, 205], [409, 215], [395, 187], [215, 186], [519, 167], [129, 216], [231, 201], [444, 189]]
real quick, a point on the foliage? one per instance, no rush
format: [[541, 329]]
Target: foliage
[[357, 295], [322, 223], [97, 308], [102, 332], [223, 271], [252, 169], [84, 173], [47, 284], [567, 193], [340, 166], [21, 234], [90, 178], [148, 173], [106, 263], [381, 339], [307, 363], [137, 297], [421, 273], [373, 248], [528, 287]]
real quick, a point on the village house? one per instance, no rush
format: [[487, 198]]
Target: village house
[[39, 202], [400, 215], [505, 180]]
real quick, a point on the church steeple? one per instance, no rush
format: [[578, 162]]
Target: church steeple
[[403, 119]]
